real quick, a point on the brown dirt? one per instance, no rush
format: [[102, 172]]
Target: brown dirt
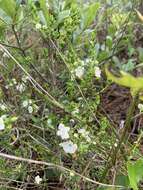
[[115, 101]]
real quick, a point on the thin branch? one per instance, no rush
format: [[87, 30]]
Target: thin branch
[[30, 161]]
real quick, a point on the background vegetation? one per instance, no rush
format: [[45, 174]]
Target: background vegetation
[[71, 94]]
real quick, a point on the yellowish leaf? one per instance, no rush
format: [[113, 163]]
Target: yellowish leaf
[[134, 83], [139, 15]]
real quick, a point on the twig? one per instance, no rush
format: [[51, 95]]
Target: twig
[[24, 53], [124, 137], [62, 168], [32, 80], [47, 96], [73, 78]]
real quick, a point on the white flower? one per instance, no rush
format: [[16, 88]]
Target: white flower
[[21, 87], [121, 125], [63, 131], [5, 55], [85, 134], [44, 27], [76, 135], [47, 4], [69, 147], [82, 131], [140, 106], [30, 109], [75, 111], [49, 121], [87, 60], [115, 144], [2, 125], [25, 78], [38, 26], [7, 86], [30, 101], [14, 81], [97, 72], [38, 179], [72, 174], [79, 72], [35, 107], [25, 103]]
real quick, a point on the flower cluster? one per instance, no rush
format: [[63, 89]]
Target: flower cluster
[[11, 83], [20, 87], [68, 146], [84, 134], [40, 26], [83, 65], [79, 72], [31, 107]]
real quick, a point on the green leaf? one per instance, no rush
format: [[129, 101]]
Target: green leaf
[[4, 17], [122, 180], [140, 51], [129, 66], [45, 10], [9, 7], [68, 3], [89, 14], [2, 29], [42, 18], [62, 15], [135, 173]]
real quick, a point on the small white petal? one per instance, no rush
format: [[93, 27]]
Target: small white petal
[[5, 54], [21, 87], [115, 144], [121, 125], [25, 78], [140, 107], [85, 134], [63, 131], [14, 81], [30, 101], [2, 125], [44, 27], [49, 121], [76, 111], [47, 4], [38, 26], [88, 139], [97, 72], [61, 126], [82, 131], [79, 72], [30, 109], [69, 147], [38, 179], [25, 103]]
